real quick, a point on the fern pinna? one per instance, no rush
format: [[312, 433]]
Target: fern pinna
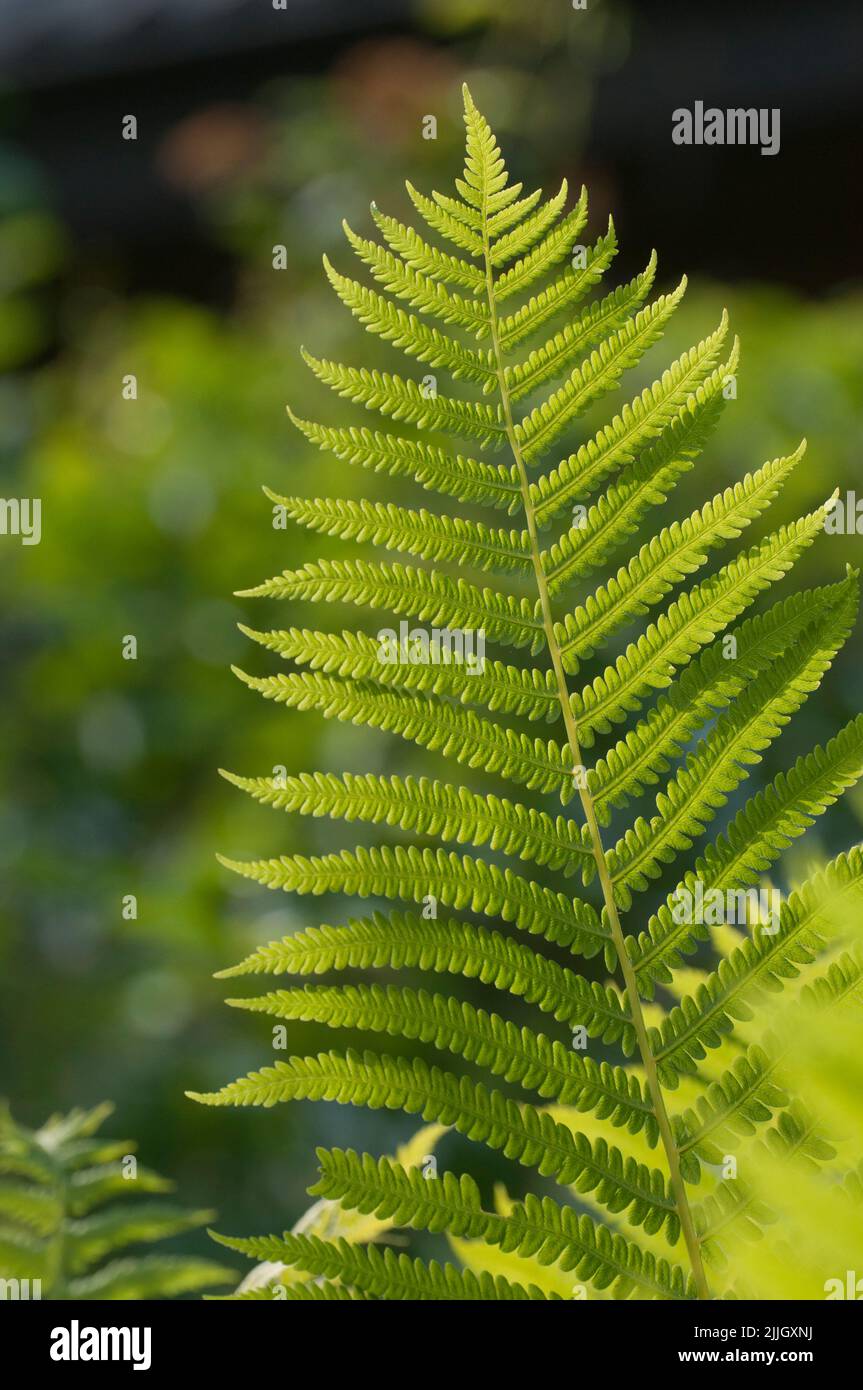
[[701, 1077]]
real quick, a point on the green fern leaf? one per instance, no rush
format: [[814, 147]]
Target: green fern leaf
[[559, 296], [758, 966], [497, 686], [456, 229], [457, 881], [60, 1220], [423, 594], [409, 333], [449, 729], [527, 1135], [720, 681], [540, 1229], [415, 533], [448, 947], [468, 480], [761, 830], [379, 1274], [507, 245], [618, 443], [593, 324], [406, 400], [429, 808], [709, 684], [596, 376], [674, 553], [688, 624], [517, 1054], [420, 291], [703, 784], [428, 260], [615, 516], [549, 252], [749, 1091]]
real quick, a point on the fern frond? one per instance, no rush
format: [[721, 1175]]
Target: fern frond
[[378, 1273], [451, 730], [675, 552], [402, 940], [379, 315], [59, 1220], [537, 1228], [718, 765], [618, 443], [727, 682], [496, 686], [423, 594], [595, 377], [430, 808], [436, 470], [420, 533], [456, 881], [404, 399], [758, 834], [525, 1134]]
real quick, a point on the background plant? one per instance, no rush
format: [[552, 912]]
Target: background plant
[[71, 1214], [739, 695]]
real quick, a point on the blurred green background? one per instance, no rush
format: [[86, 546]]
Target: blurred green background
[[155, 258]]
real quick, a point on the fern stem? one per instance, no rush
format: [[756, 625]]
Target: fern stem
[[684, 1210]]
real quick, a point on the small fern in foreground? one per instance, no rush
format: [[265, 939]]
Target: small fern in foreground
[[69, 1210], [705, 687]]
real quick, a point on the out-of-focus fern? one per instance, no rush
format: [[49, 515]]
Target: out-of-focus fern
[[70, 1210], [633, 1143]]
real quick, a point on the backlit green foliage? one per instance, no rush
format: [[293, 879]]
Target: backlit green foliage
[[71, 1205], [631, 1142]]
